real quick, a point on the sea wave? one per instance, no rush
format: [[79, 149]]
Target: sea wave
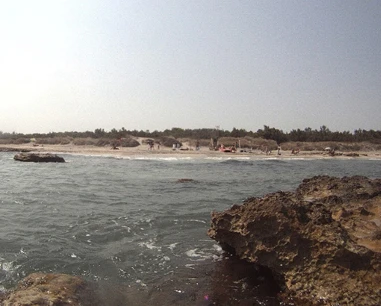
[[101, 215]]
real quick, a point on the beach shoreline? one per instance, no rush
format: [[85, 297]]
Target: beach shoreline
[[189, 152]]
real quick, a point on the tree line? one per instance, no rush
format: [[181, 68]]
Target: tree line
[[306, 135]]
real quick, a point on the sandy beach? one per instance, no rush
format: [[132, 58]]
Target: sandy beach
[[187, 151]]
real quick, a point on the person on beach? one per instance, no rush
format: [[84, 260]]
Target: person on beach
[[295, 151], [197, 145]]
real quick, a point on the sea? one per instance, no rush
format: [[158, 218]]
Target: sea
[[136, 226]]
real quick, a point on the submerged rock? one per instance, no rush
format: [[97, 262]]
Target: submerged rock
[[51, 289], [322, 242], [39, 158], [185, 180]]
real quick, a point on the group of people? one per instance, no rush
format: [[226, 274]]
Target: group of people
[[295, 151], [232, 149], [151, 146], [267, 151], [176, 146]]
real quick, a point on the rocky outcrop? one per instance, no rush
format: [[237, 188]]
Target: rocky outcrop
[[39, 158], [322, 242], [51, 289]]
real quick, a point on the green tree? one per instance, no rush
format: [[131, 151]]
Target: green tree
[[99, 133]]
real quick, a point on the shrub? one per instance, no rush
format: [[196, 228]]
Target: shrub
[[148, 140], [66, 140], [169, 141], [249, 142], [204, 142], [104, 142], [129, 142], [21, 140], [14, 140], [54, 140], [5, 141], [49, 140], [84, 141], [338, 146]]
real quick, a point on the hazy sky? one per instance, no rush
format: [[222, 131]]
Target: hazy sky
[[80, 65]]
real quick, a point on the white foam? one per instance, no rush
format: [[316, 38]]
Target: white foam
[[127, 227], [8, 266], [172, 246], [149, 245], [195, 220], [198, 255], [217, 158], [223, 158], [217, 248], [158, 158], [138, 281], [192, 253]]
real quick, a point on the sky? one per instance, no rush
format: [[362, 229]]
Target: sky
[[153, 65]]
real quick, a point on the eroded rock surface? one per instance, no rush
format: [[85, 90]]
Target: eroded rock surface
[[51, 289], [39, 158], [322, 242]]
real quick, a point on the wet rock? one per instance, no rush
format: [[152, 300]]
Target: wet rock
[[185, 180], [39, 158], [51, 289], [322, 242]]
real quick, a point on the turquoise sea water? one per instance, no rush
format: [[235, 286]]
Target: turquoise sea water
[[129, 223]]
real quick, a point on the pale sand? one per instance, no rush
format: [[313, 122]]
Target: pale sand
[[204, 152]]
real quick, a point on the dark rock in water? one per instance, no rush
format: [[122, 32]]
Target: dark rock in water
[[322, 242], [185, 180], [51, 289], [39, 158]]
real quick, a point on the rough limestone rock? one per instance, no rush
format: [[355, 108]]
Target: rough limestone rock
[[52, 290], [322, 242], [39, 158]]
